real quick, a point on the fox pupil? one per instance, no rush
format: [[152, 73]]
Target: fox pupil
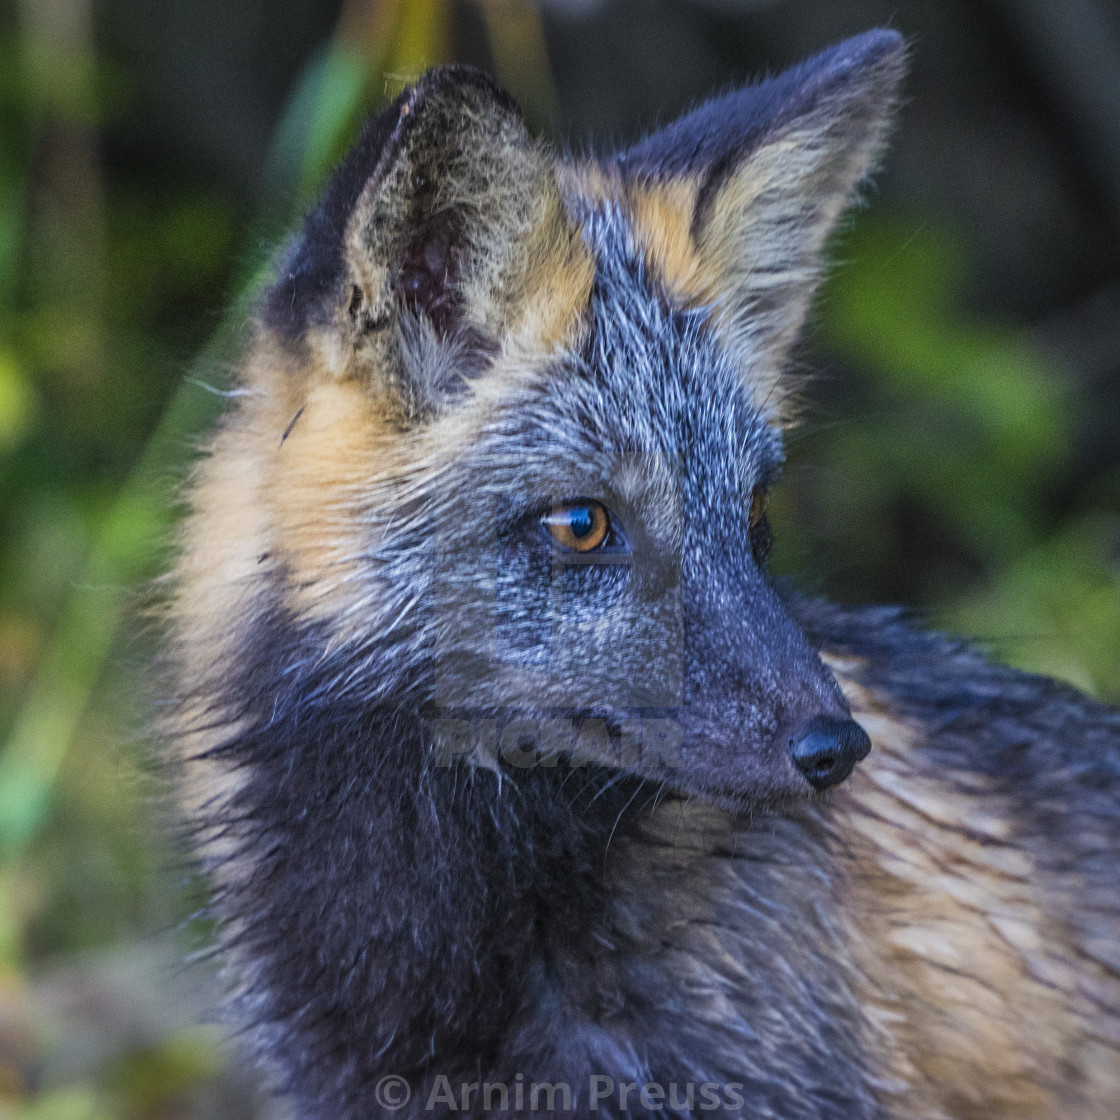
[[580, 521]]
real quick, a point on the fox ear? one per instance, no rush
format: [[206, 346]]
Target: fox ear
[[430, 245], [759, 178]]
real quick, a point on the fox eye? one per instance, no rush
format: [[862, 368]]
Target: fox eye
[[758, 506], [759, 526], [580, 526]]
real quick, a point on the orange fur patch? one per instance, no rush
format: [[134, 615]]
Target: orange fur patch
[[661, 214], [555, 288], [715, 272], [320, 477]]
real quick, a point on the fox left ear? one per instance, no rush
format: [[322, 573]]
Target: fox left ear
[[439, 240], [754, 181]]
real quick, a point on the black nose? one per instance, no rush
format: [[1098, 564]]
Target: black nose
[[828, 749]]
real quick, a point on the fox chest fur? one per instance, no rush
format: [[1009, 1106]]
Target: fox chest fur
[[505, 754]]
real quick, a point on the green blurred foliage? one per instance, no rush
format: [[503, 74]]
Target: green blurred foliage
[[956, 435], [110, 283]]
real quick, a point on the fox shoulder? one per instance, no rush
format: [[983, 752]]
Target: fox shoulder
[[974, 839]]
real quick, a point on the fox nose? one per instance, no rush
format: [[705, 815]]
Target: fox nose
[[826, 750]]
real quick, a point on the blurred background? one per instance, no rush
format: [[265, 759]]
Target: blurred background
[[961, 451]]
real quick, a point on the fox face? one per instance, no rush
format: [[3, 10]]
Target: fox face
[[509, 428]]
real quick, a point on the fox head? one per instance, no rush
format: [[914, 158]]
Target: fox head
[[505, 437], [479, 555]]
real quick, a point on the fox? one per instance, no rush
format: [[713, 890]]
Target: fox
[[520, 783]]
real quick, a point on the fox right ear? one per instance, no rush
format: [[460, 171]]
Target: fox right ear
[[736, 199], [443, 225]]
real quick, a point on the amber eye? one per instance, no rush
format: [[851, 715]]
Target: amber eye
[[758, 506], [578, 526]]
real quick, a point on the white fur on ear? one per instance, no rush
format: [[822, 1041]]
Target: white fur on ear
[[762, 224], [770, 169]]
